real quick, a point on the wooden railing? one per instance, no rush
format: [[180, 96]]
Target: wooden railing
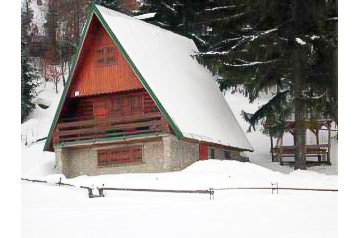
[[113, 126]]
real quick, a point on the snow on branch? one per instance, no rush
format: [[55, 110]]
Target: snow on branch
[[332, 19], [211, 53], [223, 42], [228, 18], [300, 41], [254, 37], [199, 39], [169, 7], [220, 8], [250, 64], [162, 24]]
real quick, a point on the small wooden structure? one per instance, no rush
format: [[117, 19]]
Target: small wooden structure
[[321, 151]]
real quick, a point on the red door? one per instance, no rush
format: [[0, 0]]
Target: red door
[[203, 150]]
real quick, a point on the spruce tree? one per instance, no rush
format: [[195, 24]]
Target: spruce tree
[[288, 46]]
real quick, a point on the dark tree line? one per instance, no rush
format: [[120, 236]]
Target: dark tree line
[[28, 73]]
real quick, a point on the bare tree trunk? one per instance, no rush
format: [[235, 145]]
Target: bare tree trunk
[[56, 86], [63, 65], [298, 85]]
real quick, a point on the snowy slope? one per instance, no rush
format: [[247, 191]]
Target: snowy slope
[[185, 88], [34, 160]]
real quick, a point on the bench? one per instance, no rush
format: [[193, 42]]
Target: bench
[[319, 151]]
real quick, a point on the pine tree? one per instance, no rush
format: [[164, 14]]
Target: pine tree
[[289, 46]]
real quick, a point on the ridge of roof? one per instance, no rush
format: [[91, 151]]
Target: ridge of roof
[[139, 21]]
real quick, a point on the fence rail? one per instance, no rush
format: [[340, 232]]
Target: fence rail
[[210, 191]]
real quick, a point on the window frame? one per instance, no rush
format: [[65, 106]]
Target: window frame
[[105, 56], [114, 157]]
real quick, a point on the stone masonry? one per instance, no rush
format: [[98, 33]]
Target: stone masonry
[[163, 155]]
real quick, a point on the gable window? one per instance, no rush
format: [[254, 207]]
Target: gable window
[[105, 56]]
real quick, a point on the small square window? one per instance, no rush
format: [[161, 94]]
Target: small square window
[[106, 56]]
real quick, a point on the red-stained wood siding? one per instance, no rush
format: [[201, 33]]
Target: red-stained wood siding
[[130, 103], [92, 78], [109, 115], [203, 151]]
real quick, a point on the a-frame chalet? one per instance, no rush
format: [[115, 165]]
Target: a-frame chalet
[[137, 101]]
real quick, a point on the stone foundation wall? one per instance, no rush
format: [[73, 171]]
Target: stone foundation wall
[[163, 155], [179, 154], [83, 161], [166, 154]]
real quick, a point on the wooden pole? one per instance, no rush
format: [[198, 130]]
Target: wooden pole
[[280, 152], [329, 144], [317, 140], [272, 156]]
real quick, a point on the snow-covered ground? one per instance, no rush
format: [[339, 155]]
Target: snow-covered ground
[[52, 211]]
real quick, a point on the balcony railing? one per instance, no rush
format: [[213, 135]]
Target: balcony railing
[[113, 126]]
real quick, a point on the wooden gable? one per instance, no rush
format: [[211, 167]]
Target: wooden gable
[[101, 68], [95, 80]]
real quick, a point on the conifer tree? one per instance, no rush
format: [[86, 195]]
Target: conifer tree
[[289, 46]]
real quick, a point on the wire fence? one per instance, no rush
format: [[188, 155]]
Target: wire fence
[[211, 191]]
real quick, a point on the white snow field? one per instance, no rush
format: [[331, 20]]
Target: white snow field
[[52, 211]]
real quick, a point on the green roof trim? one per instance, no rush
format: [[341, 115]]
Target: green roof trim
[[95, 11]]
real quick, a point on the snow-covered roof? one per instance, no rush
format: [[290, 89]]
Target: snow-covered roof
[[186, 89]]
